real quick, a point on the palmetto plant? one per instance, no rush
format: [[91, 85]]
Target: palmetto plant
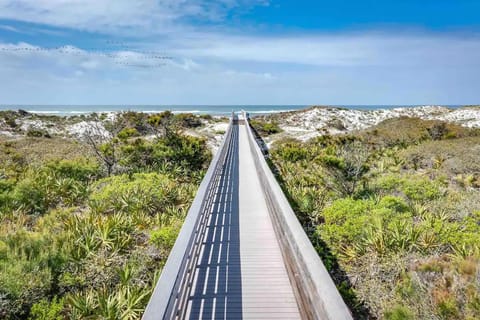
[[83, 305], [399, 235], [122, 302]]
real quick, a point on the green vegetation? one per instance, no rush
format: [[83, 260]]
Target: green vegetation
[[394, 214], [265, 127], [79, 239]]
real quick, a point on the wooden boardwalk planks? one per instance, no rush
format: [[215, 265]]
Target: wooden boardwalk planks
[[241, 273]]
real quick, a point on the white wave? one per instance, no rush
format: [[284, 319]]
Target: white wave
[[271, 111], [173, 111], [82, 112], [44, 112], [74, 112], [189, 111]]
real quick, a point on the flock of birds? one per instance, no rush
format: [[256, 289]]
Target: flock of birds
[[122, 54]]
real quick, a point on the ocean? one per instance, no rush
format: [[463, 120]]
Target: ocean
[[69, 110]]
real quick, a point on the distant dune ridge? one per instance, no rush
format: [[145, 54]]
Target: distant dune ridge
[[300, 124], [318, 120]]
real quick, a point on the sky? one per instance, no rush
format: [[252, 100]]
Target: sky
[[201, 52]]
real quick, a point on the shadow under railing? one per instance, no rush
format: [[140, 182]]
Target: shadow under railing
[[216, 199], [217, 289]]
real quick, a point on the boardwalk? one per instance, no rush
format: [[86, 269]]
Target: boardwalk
[[241, 252], [241, 273]]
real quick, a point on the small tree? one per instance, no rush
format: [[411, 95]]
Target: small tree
[[164, 124], [347, 169], [102, 136], [438, 131]]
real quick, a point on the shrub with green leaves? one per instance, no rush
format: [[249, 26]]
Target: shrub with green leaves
[[264, 127], [151, 193], [164, 238], [74, 244], [405, 236], [48, 310], [190, 154]]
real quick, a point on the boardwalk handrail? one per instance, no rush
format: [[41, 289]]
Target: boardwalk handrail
[[317, 296], [170, 296]]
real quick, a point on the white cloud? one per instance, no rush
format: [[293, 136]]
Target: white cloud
[[125, 16], [335, 50], [9, 28], [343, 69], [218, 66]]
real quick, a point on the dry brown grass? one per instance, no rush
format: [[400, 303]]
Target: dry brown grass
[[454, 158], [406, 131], [40, 150]]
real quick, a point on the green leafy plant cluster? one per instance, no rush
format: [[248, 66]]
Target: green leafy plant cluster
[[77, 243], [402, 241], [265, 127]]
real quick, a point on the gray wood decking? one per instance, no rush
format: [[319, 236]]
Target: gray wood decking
[[240, 273]]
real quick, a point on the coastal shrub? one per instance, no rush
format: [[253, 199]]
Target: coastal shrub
[[411, 131], [399, 313], [188, 153], [75, 244], [413, 188], [188, 120], [463, 237], [141, 192], [265, 127], [420, 189], [79, 169], [438, 130], [344, 221], [345, 170], [394, 203], [3, 250], [126, 133], [29, 266], [48, 310], [46, 187], [29, 196], [11, 122], [291, 151], [37, 133], [133, 124], [407, 237], [164, 238], [109, 303], [163, 123]]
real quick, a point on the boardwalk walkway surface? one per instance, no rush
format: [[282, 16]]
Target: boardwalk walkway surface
[[241, 273], [241, 252]]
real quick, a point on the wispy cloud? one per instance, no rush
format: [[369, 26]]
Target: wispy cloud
[[120, 16], [376, 74], [216, 65], [368, 49], [9, 28]]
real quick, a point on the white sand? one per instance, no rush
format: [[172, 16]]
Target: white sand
[[316, 121]]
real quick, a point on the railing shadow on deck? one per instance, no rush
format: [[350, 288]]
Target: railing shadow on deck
[[339, 276], [218, 290], [174, 294]]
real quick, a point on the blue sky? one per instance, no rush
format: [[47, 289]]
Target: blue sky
[[239, 52]]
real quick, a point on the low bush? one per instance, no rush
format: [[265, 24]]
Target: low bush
[[407, 234], [75, 244], [151, 193], [37, 133], [48, 310], [264, 127], [164, 238]]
